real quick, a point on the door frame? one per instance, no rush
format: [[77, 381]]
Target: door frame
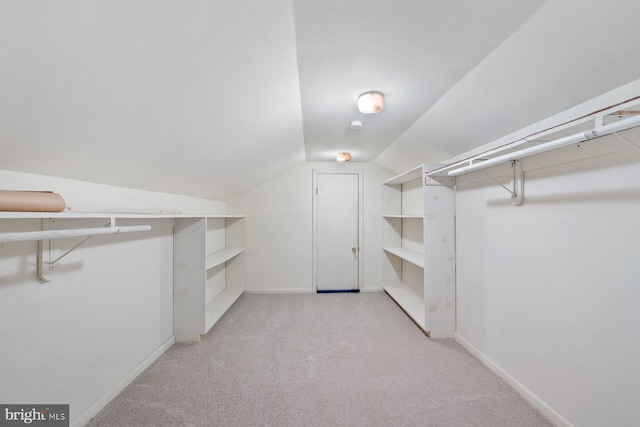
[[360, 173]]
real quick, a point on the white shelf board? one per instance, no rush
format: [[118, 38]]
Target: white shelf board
[[413, 257], [411, 304], [222, 256], [404, 216], [89, 215], [220, 304], [410, 175]]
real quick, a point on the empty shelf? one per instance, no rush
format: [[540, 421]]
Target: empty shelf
[[222, 256], [404, 216], [413, 257], [410, 303], [220, 304], [410, 175]]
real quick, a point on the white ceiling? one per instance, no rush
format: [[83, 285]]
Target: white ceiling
[[211, 98], [412, 51]]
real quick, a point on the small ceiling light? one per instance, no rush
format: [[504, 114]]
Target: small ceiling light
[[371, 102], [343, 157], [356, 124]]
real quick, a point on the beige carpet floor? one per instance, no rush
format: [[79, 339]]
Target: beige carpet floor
[[318, 360]]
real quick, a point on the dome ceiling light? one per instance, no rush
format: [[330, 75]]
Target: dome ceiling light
[[370, 102], [343, 157]]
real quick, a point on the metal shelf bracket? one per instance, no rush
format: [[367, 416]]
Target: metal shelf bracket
[[517, 183]]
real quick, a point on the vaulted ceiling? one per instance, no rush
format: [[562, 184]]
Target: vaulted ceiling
[[211, 98]]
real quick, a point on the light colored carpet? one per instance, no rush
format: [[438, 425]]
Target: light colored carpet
[[318, 360]]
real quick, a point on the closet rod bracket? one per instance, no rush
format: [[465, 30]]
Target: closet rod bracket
[[44, 265], [517, 183], [517, 197]]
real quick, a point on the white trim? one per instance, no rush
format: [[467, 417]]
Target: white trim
[[527, 394], [297, 291], [99, 404]]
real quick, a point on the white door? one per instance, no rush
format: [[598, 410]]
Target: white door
[[337, 231]]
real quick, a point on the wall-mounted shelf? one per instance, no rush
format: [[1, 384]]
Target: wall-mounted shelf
[[476, 163], [410, 175], [44, 260], [107, 215], [515, 152]]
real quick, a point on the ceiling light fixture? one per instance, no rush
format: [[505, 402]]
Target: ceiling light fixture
[[343, 157], [371, 102]]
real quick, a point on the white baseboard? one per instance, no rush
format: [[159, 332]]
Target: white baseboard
[[99, 404], [527, 394], [297, 291], [278, 291]]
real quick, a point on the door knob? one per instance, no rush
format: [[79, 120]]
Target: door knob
[[353, 249]]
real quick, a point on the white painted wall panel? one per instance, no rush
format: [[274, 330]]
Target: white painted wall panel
[[72, 339], [548, 291], [279, 228]]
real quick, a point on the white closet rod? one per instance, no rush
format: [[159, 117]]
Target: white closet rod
[[60, 234], [618, 126]]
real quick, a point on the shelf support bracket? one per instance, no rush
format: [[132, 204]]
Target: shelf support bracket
[[517, 183], [44, 265], [109, 224]]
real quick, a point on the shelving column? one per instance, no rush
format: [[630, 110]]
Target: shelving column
[[440, 263], [189, 276], [209, 272]]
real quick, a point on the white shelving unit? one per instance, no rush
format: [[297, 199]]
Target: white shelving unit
[[403, 267], [208, 257], [419, 240], [209, 272]]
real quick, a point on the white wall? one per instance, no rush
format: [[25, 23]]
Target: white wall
[[279, 228], [108, 311], [547, 293]]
